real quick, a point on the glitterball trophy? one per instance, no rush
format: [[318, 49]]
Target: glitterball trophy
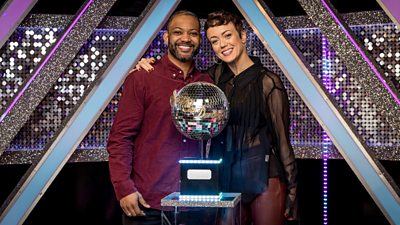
[[200, 111]]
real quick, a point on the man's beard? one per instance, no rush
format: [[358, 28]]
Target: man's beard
[[173, 49]]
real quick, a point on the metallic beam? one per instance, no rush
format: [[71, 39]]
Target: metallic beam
[[11, 15], [92, 104], [359, 63], [377, 182], [392, 9]]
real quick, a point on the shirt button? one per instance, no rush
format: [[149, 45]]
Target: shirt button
[[174, 75], [222, 142], [184, 140]]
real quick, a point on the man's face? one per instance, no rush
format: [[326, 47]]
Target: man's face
[[183, 37]]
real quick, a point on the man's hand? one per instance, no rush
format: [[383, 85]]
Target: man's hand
[[145, 63], [130, 204]]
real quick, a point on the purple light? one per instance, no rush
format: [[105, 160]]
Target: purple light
[[13, 13], [394, 9], [45, 61], [326, 80], [361, 52]]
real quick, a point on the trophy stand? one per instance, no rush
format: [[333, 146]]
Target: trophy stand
[[204, 152], [201, 148], [200, 111], [200, 200]]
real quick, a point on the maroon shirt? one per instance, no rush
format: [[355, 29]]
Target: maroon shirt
[[144, 146]]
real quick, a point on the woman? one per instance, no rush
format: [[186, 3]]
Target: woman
[[258, 159]]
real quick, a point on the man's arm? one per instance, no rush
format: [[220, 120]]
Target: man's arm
[[130, 204], [120, 146]]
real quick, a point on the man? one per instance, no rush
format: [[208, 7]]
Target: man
[[144, 146]]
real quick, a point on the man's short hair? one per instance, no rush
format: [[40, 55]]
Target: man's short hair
[[179, 13]]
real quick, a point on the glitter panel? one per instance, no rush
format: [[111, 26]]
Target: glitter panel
[[23, 51], [55, 58], [368, 84]]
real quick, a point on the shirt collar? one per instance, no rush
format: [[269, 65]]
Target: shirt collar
[[174, 71]]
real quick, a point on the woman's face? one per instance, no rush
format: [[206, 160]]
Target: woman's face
[[226, 42]]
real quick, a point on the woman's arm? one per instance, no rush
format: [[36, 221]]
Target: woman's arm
[[279, 109], [144, 63]]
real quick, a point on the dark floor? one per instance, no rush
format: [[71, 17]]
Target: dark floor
[[82, 194]]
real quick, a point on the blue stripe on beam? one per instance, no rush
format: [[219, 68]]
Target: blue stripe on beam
[[11, 15], [352, 149], [95, 102]]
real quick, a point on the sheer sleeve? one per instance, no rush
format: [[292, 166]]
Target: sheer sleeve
[[277, 104]]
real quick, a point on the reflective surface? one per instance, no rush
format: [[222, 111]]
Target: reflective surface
[[200, 110]]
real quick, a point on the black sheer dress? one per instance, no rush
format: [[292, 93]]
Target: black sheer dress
[[255, 144]]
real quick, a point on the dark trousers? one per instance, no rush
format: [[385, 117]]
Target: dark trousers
[[153, 217]]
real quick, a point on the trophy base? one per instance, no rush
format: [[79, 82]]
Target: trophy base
[[200, 177]]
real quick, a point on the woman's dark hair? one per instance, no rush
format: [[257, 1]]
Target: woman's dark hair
[[222, 17]]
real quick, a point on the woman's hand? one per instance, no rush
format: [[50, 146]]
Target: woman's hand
[[145, 63]]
